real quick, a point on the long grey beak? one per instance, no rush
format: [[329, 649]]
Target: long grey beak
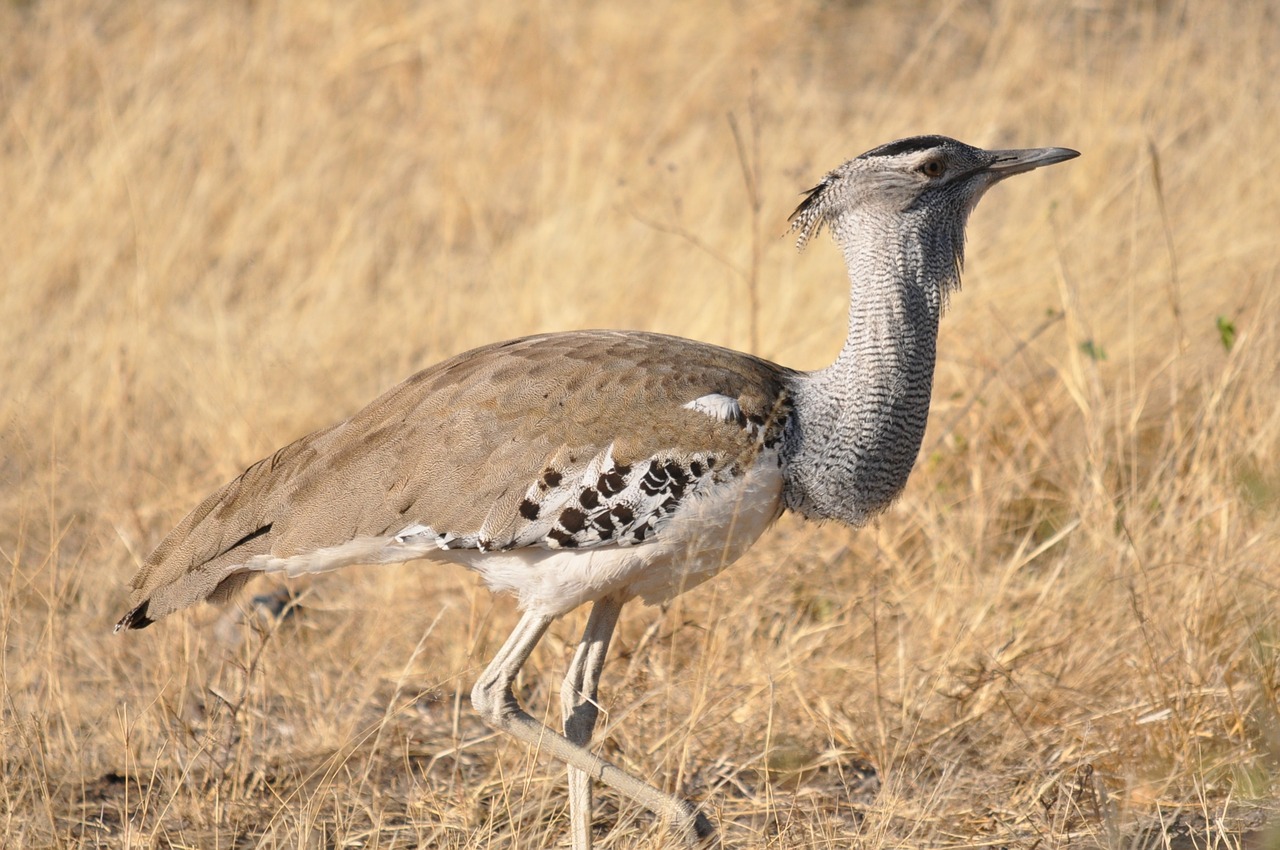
[[1007, 163]]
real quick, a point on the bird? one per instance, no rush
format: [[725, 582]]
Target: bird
[[603, 466]]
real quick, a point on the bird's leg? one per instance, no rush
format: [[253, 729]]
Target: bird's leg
[[497, 705], [580, 709]]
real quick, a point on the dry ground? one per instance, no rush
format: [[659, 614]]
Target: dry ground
[[226, 224]]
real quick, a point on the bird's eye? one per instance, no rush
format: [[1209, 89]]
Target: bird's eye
[[932, 168]]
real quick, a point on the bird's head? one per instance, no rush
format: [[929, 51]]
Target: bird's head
[[931, 179]]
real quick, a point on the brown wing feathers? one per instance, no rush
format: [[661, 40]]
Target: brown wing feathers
[[452, 446]]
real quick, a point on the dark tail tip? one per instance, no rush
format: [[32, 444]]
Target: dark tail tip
[[136, 618]]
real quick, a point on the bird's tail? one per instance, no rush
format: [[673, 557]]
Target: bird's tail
[[207, 556], [159, 590]]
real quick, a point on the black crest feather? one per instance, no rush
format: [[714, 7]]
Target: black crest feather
[[811, 214], [911, 145]]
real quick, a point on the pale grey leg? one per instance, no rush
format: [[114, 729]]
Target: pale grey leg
[[497, 705], [578, 703]]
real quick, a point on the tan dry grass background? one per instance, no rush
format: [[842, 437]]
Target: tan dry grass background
[[226, 224]]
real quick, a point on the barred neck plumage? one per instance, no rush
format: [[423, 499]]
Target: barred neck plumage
[[859, 422]]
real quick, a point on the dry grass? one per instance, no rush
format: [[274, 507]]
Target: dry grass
[[225, 224]]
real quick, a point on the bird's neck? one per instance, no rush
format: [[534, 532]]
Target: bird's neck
[[859, 422]]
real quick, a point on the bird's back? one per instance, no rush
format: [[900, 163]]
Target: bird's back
[[563, 441]]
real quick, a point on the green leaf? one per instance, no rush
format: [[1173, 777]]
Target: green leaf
[[1226, 332], [1093, 351]]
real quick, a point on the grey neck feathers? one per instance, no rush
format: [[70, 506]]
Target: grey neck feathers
[[858, 423]]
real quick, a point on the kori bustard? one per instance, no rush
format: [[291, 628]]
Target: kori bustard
[[601, 466]]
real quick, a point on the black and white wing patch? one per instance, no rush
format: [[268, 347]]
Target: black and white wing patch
[[602, 503], [576, 505], [609, 502]]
